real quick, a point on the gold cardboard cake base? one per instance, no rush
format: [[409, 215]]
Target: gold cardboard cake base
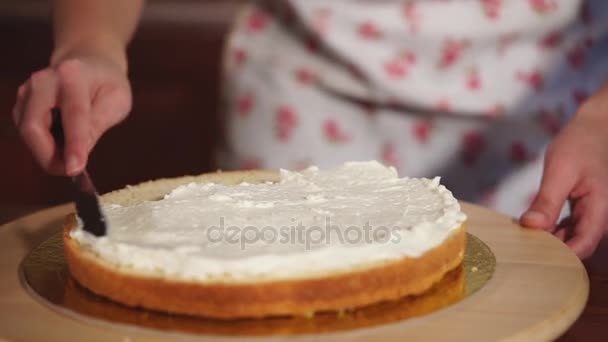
[[45, 274]]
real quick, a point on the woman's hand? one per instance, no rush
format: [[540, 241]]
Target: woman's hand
[[93, 93], [576, 169]]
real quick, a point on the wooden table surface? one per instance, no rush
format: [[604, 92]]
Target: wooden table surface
[[591, 326]]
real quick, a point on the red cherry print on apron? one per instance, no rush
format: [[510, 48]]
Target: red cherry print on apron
[[398, 67], [257, 21], [369, 30], [320, 21], [244, 104], [306, 76], [239, 56], [551, 121], [518, 153], [451, 52], [473, 144], [286, 121], [333, 132], [543, 6], [313, 44], [388, 155], [551, 40], [534, 79], [412, 17], [491, 8], [548, 121], [576, 56], [422, 130], [473, 80]]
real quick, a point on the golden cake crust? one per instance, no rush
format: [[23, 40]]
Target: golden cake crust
[[223, 299]]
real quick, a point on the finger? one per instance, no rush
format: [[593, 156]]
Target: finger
[[76, 116], [35, 120], [110, 106], [591, 216], [558, 180]]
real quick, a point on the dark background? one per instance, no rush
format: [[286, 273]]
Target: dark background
[[175, 71]]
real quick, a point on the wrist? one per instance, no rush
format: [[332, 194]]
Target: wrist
[[100, 48], [595, 107]]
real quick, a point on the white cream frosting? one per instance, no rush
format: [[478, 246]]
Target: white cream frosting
[[280, 230]]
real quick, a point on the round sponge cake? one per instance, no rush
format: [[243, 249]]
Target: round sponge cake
[[231, 245]]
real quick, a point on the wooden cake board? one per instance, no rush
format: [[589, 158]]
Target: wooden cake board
[[538, 290]]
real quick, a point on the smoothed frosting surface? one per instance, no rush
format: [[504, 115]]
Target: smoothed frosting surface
[[309, 222]]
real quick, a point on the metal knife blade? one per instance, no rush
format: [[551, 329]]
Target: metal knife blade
[[85, 195]]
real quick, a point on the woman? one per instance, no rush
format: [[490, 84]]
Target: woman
[[469, 90]]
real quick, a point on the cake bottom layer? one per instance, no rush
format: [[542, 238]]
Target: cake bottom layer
[[294, 297]]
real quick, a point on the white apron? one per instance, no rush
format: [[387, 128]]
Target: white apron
[[469, 90]]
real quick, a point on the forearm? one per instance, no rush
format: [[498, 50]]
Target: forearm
[[94, 27]]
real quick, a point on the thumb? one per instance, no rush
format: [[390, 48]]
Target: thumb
[[557, 183]]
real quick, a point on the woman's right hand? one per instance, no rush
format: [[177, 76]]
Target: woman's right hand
[[93, 94]]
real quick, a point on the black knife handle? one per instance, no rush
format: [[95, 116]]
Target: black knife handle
[[57, 128], [85, 196]]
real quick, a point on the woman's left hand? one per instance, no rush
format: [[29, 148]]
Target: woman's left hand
[[576, 169]]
